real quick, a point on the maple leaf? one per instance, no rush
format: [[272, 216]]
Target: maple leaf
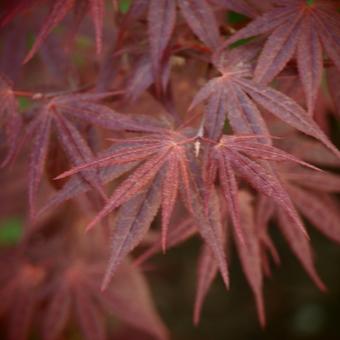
[[20, 295], [12, 8], [143, 76], [309, 150], [161, 18], [241, 155], [10, 118], [207, 266], [58, 11], [333, 77], [10, 63], [71, 140], [161, 15], [164, 171], [234, 155], [248, 251], [200, 18], [76, 291], [311, 194], [296, 28], [291, 86], [300, 246], [206, 273], [14, 185], [66, 287], [157, 151], [234, 95], [76, 186], [57, 116]]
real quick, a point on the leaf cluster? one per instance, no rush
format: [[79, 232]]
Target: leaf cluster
[[172, 122]]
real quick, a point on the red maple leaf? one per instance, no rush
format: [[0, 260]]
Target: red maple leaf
[[10, 118], [58, 11], [234, 95], [296, 28], [164, 171]]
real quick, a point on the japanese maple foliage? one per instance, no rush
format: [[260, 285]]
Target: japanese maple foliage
[[171, 121]]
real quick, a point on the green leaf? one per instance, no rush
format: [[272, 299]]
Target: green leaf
[[10, 231], [24, 103], [241, 42], [235, 18], [124, 5]]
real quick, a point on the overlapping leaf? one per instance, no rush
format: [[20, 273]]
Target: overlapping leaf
[[207, 265], [76, 292], [165, 169], [242, 156], [20, 295], [333, 76], [161, 21], [67, 290], [58, 116], [311, 194], [161, 17], [58, 11], [301, 29], [249, 252], [10, 119], [234, 95]]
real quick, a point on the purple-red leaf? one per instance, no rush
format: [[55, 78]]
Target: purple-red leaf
[[200, 17], [169, 194], [38, 158], [161, 17], [287, 110], [57, 314], [249, 252], [58, 11], [300, 246], [320, 210], [296, 27], [97, 8], [132, 223], [10, 118], [129, 298], [207, 271]]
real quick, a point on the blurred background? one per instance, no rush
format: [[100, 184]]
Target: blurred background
[[295, 308]]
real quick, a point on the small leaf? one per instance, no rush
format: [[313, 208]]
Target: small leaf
[[300, 247], [10, 231], [201, 19], [161, 17], [38, 158], [249, 252], [207, 271], [58, 11], [97, 8], [132, 223]]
